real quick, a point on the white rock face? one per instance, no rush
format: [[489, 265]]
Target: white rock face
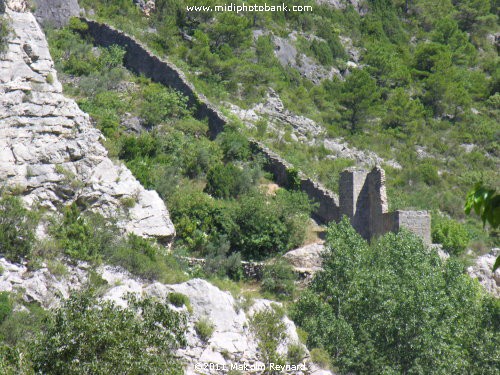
[[49, 148], [482, 271], [41, 285]]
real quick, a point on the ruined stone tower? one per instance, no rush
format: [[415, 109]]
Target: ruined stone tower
[[363, 200]]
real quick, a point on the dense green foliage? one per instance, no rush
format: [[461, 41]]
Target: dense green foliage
[[89, 337], [389, 307], [17, 228], [452, 235]]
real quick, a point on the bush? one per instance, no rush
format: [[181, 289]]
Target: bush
[[88, 336], [450, 233], [179, 300], [228, 181], [198, 217], [84, 236], [387, 308], [161, 104], [204, 329], [4, 33], [17, 228], [5, 306], [270, 331], [296, 353], [270, 225], [428, 173], [321, 358], [279, 278], [220, 262], [234, 144]]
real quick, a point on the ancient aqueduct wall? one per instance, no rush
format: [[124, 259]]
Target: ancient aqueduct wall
[[362, 193]]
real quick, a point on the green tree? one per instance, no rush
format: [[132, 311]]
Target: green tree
[[17, 228], [358, 95], [388, 307], [403, 112], [89, 337]]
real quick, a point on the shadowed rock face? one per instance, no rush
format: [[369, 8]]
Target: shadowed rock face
[[56, 12], [49, 149]]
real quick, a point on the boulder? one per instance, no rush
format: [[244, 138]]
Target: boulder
[[307, 258], [482, 270], [56, 12]]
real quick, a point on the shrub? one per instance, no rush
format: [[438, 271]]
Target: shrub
[[4, 33], [270, 225], [296, 353], [88, 336], [279, 278], [234, 144], [17, 228], [321, 358], [204, 329], [198, 217], [141, 257], [84, 236], [160, 104], [270, 331], [228, 181], [428, 173], [220, 262], [179, 300], [450, 233], [5, 306]]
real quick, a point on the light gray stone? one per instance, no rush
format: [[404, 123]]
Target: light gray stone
[[307, 258], [482, 270], [49, 147], [56, 12]]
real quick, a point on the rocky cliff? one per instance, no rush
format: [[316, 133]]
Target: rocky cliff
[[49, 150]]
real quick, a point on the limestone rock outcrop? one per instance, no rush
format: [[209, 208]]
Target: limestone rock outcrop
[[49, 149], [56, 12], [482, 271], [306, 259]]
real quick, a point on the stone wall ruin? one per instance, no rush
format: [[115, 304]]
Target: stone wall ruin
[[362, 193]]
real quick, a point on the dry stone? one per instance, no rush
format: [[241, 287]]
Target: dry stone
[[49, 148], [56, 12], [482, 271]]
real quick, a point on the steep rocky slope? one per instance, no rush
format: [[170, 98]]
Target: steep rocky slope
[[49, 149], [232, 340]]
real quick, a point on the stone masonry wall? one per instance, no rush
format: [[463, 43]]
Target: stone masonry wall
[[362, 194], [418, 222]]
